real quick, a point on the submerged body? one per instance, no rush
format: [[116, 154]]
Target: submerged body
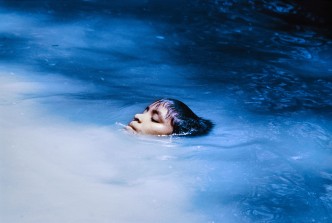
[[169, 116]]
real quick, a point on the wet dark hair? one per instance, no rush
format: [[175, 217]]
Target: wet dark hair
[[183, 119]]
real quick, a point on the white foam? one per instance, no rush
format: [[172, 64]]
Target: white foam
[[56, 171]]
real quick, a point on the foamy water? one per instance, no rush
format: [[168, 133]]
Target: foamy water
[[54, 170]]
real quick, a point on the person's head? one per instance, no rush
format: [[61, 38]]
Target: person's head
[[169, 116]]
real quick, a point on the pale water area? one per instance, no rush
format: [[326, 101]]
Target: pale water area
[[72, 73]]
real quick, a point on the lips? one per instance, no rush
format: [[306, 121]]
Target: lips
[[131, 128]]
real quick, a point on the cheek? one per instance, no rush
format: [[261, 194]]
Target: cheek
[[158, 129]]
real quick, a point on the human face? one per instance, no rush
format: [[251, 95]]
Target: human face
[[152, 121]]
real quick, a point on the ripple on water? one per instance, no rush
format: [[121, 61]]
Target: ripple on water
[[279, 196], [298, 39], [312, 131], [279, 7], [297, 47], [277, 90], [285, 38]]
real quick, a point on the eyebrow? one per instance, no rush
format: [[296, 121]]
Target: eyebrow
[[156, 112]]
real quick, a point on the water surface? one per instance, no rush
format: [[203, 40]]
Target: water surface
[[73, 72]]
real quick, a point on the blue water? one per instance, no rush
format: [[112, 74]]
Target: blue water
[[74, 72]]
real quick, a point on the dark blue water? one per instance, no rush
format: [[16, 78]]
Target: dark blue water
[[73, 72]]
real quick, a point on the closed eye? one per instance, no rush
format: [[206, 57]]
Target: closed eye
[[155, 116], [154, 120]]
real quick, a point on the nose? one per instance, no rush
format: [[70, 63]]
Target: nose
[[138, 118]]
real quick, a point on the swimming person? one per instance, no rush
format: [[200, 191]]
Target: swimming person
[[169, 116]]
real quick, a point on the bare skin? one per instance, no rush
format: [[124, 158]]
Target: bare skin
[[152, 121]]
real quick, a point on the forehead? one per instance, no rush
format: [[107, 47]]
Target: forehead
[[160, 108]]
